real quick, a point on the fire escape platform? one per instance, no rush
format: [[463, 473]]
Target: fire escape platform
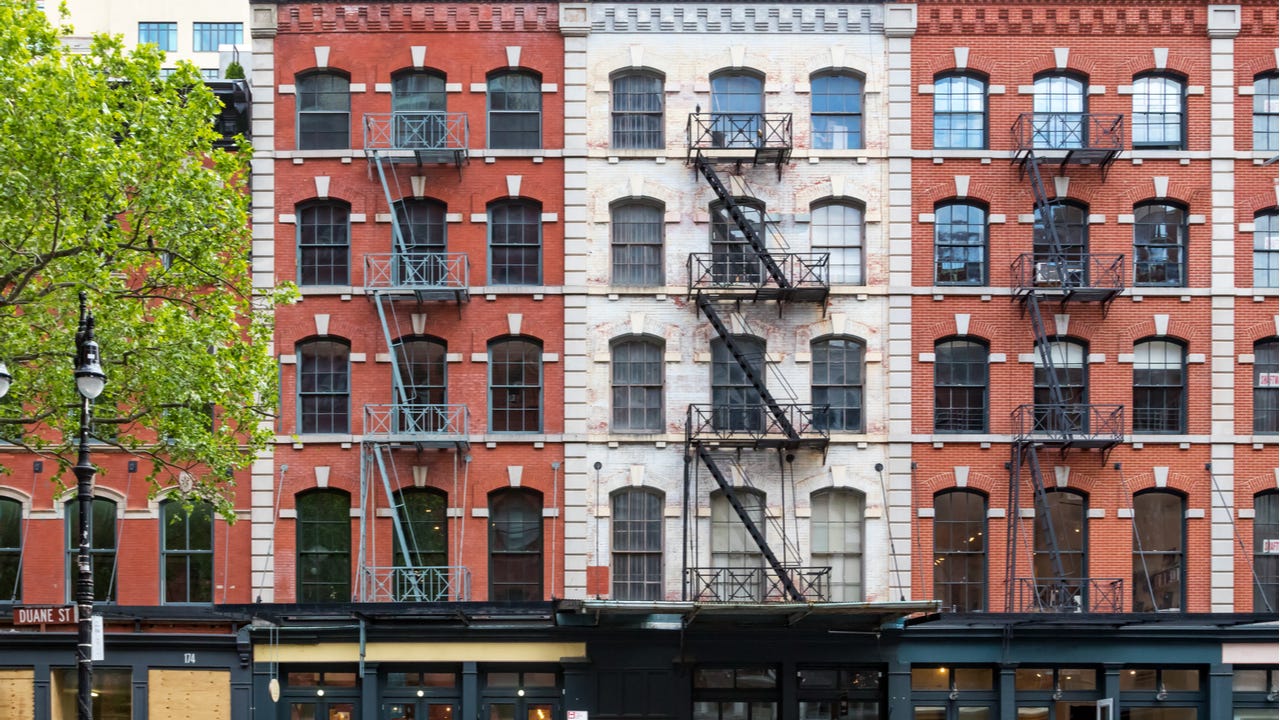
[[757, 427], [1075, 426], [1081, 277], [757, 138], [418, 426], [1064, 139], [420, 277], [417, 137]]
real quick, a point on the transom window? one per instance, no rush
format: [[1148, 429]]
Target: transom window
[[1159, 536], [837, 111], [960, 550], [837, 384], [636, 230], [637, 544], [836, 228], [1266, 111], [324, 546], [11, 527], [186, 551], [515, 545], [637, 386], [960, 244], [515, 385], [1266, 249], [959, 112], [1159, 103], [1159, 387], [637, 111], [324, 387], [102, 549], [1266, 557], [324, 243], [515, 242], [1159, 245], [960, 373], [836, 536], [324, 111], [1059, 108], [209, 36], [515, 110], [1266, 387]]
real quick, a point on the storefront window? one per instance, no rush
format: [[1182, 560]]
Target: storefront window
[[942, 693], [742, 693], [844, 694], [1253, 694], [1056, 693], [321, 695], [112, 692], [1161, 694]]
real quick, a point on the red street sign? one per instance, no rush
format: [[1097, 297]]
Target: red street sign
[[45, 615]]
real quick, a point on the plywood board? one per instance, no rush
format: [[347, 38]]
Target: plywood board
[[191, 694]]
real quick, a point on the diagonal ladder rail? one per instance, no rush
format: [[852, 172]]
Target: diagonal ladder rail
[[757, 382], [397, 510], [1043, 510], [399, 243], [397, 378], [740, 219], [783, 576], [1056, 255], [1011, 537], [789, 547]]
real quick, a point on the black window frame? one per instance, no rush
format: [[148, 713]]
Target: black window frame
[[523, 350], [848, 414], [734, 260], [498, 114], [313, 106], [637, 243], [1071, 221], [637, 101], [13, 526], [1145, 579], [960, 238], [186, 571], [515, 242], [1160, 230], [744, 697], [324, 243], [334, 391], [323, 557], [1073, 380], [502, 587], [1266, 120], [1266, 386], [1266, 248], [1266, 565], [636, 548], [1071, 538], [637, 378], [1160, 393], [958, 376], [844, 92], [737, 108], [832, 689], [1143, 118], [959, 87], [972, 592], [204, 34], [840, 240], [103, 548], [957, 692]]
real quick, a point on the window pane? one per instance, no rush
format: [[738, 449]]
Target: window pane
[[736, 403], [1159, 387], [960, 386], [1266, 112], [515, 243], [836, 111], [164, 35], [1059, 106], [515, 386], [837, 384], [637, 386], [323, 387], [11, 528], [323, 244], [1266, 249], [102, 553], [836, 229], [208, 36], [959, 549], [836, 528], [637, 545], [637, 111], [1157, 112], [187, 552], [515, 546], [960, 244], [1266, 560], [637, 244], [324, 118], [1266, 386], [1159, 242], [959, 112], [324, 546], [515, 111], [1157, 552]]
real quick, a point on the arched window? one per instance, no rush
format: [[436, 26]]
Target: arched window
[[102, 544], [736, 403], [420, 362], [636, 230], [737, 107], [1266, 111], [1266, 387], [837, 383], [417, 106], [637, 110], [422, 245], [836, 228], [324, 386], [836, 532], [1159, 111], [515, 242], [11, 526], [1071, 224], [515, 545], [837, 110], [1067, 521], [732, 547], [959, 111], [515, 110], [425, 523], [1266, 249], [1159, 387], [324, 243], [1159, 539], [1059, 107], [515, 385], [1159, 245], [1073, 379], [324, 546], [960, 382], [186, 552], [960, 244], [324, 111], [1266, 562], [636, 364], [960, 550], [734, 260], [637, 544]]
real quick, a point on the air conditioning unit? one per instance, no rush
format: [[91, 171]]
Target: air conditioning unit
[[1049, 274]]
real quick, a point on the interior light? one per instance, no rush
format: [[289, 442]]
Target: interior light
[[94, 693], [421, 693], [320, 692], [520, 692]]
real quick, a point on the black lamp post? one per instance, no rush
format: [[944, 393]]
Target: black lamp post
[[90, 381]]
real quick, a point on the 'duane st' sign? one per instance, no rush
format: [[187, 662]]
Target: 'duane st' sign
[[45, 615]]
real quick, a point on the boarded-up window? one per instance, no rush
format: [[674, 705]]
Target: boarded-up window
[[17, 693], [192, 694]]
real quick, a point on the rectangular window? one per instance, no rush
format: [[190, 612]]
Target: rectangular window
[[186, 552], [208, 36], [515, 111], [637, 545], [515, 243], [637, 112], [102, 548], [11, 527], [636, 235], [1266, 249], [1266, 554], [960, 112], [163, 35], [112, 692], [960, 387], [637, 386]]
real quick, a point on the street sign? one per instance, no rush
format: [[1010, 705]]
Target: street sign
[[45, 615]]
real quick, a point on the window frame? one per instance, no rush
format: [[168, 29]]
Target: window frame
[[1170, 424], [733, 259], [532, 498], [1266, 566], [836, 236], [643, 558], [1173, 219], [968, 387], [847, 92], [217, 31], [840, 588], [1071, 219], [654, 415], [534, 346], [945, 216], [1266, 246], [340, 347], [521, 228], [1075, 390], [1055, 95], [188, 555], [1141, 556], [736, 405], [302, 95], [1042, 567], [1144, 86], [311, 226], [942, 554], [492, 114], [1266, 397], [638, 110], [428, 395], [340, 518], [637, 246], [411, 107], [99, 551], [1266, 121], [13, 525], [738, 550], [820, 350], [440, 500], [151, 31], [737, 95], [966, 79]]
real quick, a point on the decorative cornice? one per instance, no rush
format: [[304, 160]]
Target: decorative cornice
[[1064, 19], [737, 18], [418, 17]]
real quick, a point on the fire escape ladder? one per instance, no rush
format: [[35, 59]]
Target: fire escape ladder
[[399, 244], [1058, 258], [1059, 588], [779, 414], [1011, 537], [398, 387], [725, 486], [740, 219], [374, 460]]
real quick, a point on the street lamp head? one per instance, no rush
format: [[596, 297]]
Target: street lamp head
[[5, 379], [90, 379]]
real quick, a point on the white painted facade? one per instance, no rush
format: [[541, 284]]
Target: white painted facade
[[787, 44]]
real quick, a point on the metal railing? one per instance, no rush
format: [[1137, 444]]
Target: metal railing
[[408, 422], [739, 131], [1069, 131], [438, 131], [1069, 423], [1076, 271], [1098, 595], [757, 584], [754, 422], [415, 584], [745, 270], [417, 271]]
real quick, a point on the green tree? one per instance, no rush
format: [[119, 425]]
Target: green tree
[[110, 183]]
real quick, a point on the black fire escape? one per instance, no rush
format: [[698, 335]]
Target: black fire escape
[[411, 274], [748, 272], [1058, 273]]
